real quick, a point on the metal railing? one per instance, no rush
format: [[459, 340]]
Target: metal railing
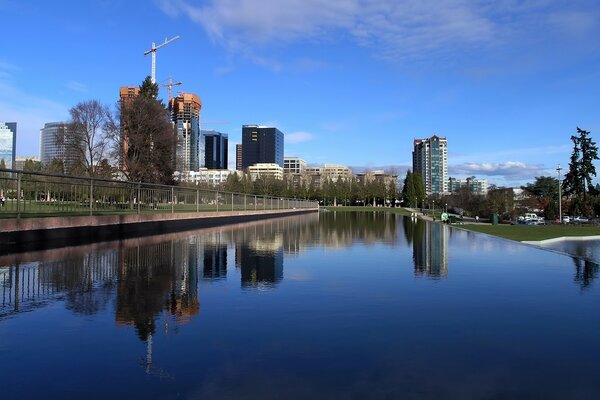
[[30, 194]]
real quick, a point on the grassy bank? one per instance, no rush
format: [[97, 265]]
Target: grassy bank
[[534, 233], [395, 210]]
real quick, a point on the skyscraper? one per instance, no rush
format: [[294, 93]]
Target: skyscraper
[[215, 149], [8, 143], [430, 159], [185, 114], [261, 144], [54, 137]]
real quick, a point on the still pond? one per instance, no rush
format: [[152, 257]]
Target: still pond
[[321, 306]]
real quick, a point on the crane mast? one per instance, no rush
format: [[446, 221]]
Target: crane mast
[[170, 86], [153, 52]]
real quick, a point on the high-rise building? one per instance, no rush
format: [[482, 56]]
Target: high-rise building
[[185, 114], [8, 143], [55, 144], [261, 144], [238, 157], [215, 149], [430, 159], [126, 96]]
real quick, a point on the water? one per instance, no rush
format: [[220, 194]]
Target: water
[[588, 249], [333, 306]]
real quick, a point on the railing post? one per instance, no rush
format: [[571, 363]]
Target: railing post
[[19, 195], [139, 192], [255, 205], [245, 208], [91, 196], [172, 200], [197, 200], [231, 201], [217, 200]]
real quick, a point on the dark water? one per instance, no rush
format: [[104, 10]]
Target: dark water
[[348, 306]]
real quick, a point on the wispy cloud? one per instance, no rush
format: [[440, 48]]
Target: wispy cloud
[[299, 137], [77, 86], [394, 30], [30, 113], [7, 69]]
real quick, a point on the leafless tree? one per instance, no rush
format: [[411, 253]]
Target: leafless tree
[[90, 137]]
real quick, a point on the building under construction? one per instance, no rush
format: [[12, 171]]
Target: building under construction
[[126, 96], [185, 114]]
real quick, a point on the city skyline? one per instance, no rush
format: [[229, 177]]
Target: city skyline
[[506, 83]]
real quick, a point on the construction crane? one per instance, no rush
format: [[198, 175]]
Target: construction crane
[[153, 51], [170, 86]]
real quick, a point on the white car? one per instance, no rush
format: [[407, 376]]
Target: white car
[[566, 219], [581, 220]]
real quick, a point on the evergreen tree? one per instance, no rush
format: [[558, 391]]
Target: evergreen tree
[[149, 89], [589, 153], [419, 187], [408, 190], [578, 181], [150, 138]]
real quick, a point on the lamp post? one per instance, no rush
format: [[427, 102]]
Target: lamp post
[[558, 169], [446, 208]]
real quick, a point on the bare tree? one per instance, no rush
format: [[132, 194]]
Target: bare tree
[[90, 136]]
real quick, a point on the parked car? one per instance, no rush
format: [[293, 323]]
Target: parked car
[[566, 219], [580, 220]]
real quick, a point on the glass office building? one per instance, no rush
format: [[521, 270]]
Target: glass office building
[[8, 143], [215, 149], [261, 144]]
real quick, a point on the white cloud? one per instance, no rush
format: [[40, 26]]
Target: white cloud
[[298, 137], [514, 170]]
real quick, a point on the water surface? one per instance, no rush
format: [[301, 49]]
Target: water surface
[[337, 305]]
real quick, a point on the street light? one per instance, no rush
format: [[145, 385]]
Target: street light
[[558, 169], [446, 208]]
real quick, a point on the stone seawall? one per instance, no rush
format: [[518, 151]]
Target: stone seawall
[[18, 235]]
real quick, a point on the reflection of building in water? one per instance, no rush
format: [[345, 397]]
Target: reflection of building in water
[[261, 267], [430, 248], [215, 262]]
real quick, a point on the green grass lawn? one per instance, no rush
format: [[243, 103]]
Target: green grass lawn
[[534, 233], [395, 210]]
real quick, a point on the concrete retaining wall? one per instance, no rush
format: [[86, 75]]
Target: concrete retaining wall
[[18, 235]]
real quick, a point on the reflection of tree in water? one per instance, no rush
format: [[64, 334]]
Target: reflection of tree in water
[[343, 228], [154, 278], [88, 281], [585, 272]]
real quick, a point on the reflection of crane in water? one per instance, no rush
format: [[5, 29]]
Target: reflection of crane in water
[[148, 364]]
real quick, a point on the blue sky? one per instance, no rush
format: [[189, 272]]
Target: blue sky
[[350, 82]]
